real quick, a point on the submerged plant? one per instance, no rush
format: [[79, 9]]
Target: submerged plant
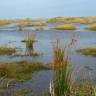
[[20, 71]]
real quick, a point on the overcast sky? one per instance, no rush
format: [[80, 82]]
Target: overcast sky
[[46, 8]]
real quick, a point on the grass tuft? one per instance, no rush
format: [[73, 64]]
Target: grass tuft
[[65, 27], [7, 51], [88, 51]]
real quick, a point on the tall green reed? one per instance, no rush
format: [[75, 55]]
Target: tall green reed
[[62, 75]]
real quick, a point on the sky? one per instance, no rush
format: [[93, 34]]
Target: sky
[[46, 8]]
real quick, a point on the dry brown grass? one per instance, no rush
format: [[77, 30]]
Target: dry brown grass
[[4, 22], [31, 24], [65, 27], [20, 71], [88, 51], [7, 51], [91, 27], [69, 20]]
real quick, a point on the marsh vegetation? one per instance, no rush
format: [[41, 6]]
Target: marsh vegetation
[[64, 75], [29, 42], [69, 20], [65, 27], [61, 67], [20, 71], [88, 51], [4, 22], [31, 24], [63, 78], [7, 50], [91, 27]]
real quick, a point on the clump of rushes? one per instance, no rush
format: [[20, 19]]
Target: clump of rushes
[[7, 51], [88, 51], [20, 71], [63, 77], [65, 27], [30, 40]]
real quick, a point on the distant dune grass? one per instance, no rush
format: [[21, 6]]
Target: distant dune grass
[[82, 20], [86, 20], [65, 27], [31, 24], [4, 22], [68, 20], [28, 20]]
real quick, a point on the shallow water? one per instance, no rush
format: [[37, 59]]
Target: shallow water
[[44, 45]]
